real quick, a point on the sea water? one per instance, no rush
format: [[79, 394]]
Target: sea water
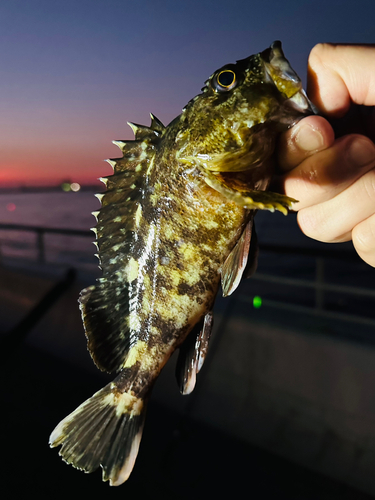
[[50, 209]]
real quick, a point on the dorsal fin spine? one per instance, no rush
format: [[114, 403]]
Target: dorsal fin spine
[[104, 180], [134, 127], [120, 144], [111, 162], [156, 124], [99, 196], [142, 132]]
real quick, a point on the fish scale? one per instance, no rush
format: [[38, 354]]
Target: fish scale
[[176, 221]]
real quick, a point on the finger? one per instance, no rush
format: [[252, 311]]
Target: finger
[[310, 135], [363, 236], [333, 220], [327, 173], [339, 74]]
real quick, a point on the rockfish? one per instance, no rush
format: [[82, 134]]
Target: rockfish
[[176, 220]]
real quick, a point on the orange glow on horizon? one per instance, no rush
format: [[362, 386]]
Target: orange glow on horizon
[[15, 182], [51, 164], [15, 178], [32, 174]]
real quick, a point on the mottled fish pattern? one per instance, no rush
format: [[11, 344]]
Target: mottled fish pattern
[[176, 220]]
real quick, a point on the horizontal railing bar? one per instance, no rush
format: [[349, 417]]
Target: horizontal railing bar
[[42, 229], [350, 255], [282, 249], [313, 284], [311, 310]]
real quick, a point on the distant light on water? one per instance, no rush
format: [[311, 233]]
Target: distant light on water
[[257, 301], [75, 186], [70, 186], [11, 207]]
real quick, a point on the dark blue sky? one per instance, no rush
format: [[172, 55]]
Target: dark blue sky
[[73, 72]]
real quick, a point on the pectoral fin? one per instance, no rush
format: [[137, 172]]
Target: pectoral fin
[[235, 264], [252, 260], [251, 199], [192, 354]]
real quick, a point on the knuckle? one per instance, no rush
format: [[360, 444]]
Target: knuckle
[[314, 175], [363, 236], [320, 51], [310, 222], [369, 185], [321, 224]]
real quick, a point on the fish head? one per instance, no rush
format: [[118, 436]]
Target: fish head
[[233, 124]]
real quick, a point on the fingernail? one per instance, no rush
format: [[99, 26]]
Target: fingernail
[[309, 139], [361, 152]]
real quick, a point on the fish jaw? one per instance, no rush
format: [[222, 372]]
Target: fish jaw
[[281, 73]]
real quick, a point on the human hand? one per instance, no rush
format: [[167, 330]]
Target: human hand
[[334, 179]]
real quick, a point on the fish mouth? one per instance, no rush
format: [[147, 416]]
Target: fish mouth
[[278, 70], [275, 61]]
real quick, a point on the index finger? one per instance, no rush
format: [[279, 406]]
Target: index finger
[[340, 74]]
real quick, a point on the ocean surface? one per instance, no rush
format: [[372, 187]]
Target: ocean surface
[[50, 210]]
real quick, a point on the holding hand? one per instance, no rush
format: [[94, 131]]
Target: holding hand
[[335, 178]]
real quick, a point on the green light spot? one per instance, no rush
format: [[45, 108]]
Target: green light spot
[[257, 302]]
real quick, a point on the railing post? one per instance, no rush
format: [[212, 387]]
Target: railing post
[[319, 284], [40, 246]]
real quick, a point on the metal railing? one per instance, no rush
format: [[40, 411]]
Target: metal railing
[[41, 231], [319, 284]]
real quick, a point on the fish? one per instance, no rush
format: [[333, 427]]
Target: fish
[[176, 222]]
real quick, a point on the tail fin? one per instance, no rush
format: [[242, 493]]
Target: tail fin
[[104, 431]]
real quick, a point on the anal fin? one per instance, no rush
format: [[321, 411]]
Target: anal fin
[[193, 353]]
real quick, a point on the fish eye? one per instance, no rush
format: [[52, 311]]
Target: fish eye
[[225, 80]]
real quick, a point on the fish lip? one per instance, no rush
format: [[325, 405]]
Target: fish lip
[[274, 60], [268, 53]]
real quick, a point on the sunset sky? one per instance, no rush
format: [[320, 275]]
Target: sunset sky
[[72, 73]]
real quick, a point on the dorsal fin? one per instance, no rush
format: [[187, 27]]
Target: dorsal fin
[[105, 306]]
